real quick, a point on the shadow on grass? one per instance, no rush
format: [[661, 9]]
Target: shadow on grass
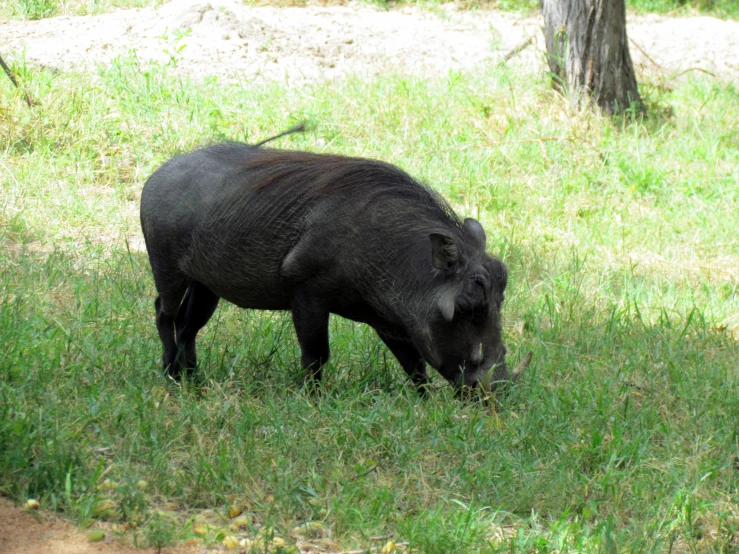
[[620, 414]]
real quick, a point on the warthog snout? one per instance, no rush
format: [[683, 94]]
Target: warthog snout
[[498, 375]]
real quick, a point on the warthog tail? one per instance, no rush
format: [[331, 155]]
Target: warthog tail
[[300, 128]]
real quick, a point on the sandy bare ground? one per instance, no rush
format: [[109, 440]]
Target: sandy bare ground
[[250, 44], [46, 533]]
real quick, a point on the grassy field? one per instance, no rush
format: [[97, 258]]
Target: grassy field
[[38, 9], [621, 241]]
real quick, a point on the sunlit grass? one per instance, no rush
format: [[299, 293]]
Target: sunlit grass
[[39, 9], [620, 237]]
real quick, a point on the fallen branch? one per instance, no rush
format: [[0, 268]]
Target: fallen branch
[[398, 545], [520, 48], [684, 71], [377, 538], [12, 78], [674, 76], [632, 41]]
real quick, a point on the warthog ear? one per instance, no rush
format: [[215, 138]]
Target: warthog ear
[[444, 251], [446, 303], [474, 227]]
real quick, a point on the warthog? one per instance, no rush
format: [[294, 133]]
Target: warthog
[[318, 234]]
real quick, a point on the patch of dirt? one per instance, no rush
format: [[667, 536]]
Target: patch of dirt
[[297, 45], [257, 44], [678, 45], [46, 533]]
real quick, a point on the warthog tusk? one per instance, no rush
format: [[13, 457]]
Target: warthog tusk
[[520, 368], [487, 382]]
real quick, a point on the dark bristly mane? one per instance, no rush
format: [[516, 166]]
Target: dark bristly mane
[[365, 180]]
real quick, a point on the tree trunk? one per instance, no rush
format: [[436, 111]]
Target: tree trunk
[[589, 53]]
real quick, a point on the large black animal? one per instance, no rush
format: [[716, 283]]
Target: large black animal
[[318, 234]]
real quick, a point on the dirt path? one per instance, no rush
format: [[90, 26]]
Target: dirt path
[[46, 533], [298, 45]]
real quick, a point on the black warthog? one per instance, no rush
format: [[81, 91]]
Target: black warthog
[[318, 234]]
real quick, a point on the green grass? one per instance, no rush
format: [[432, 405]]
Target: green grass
[[620, 237], [38, 9], [720, 8]]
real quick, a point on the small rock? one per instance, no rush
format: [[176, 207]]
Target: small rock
[[310, 529], [107, 485], [96, 536], [279, 542], [241, 522], [200, 529], [105, 508]]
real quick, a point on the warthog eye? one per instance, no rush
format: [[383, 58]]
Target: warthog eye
[[479, 289], [480, 281]]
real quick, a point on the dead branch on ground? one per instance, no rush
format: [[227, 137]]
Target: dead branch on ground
[[12, 78]]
